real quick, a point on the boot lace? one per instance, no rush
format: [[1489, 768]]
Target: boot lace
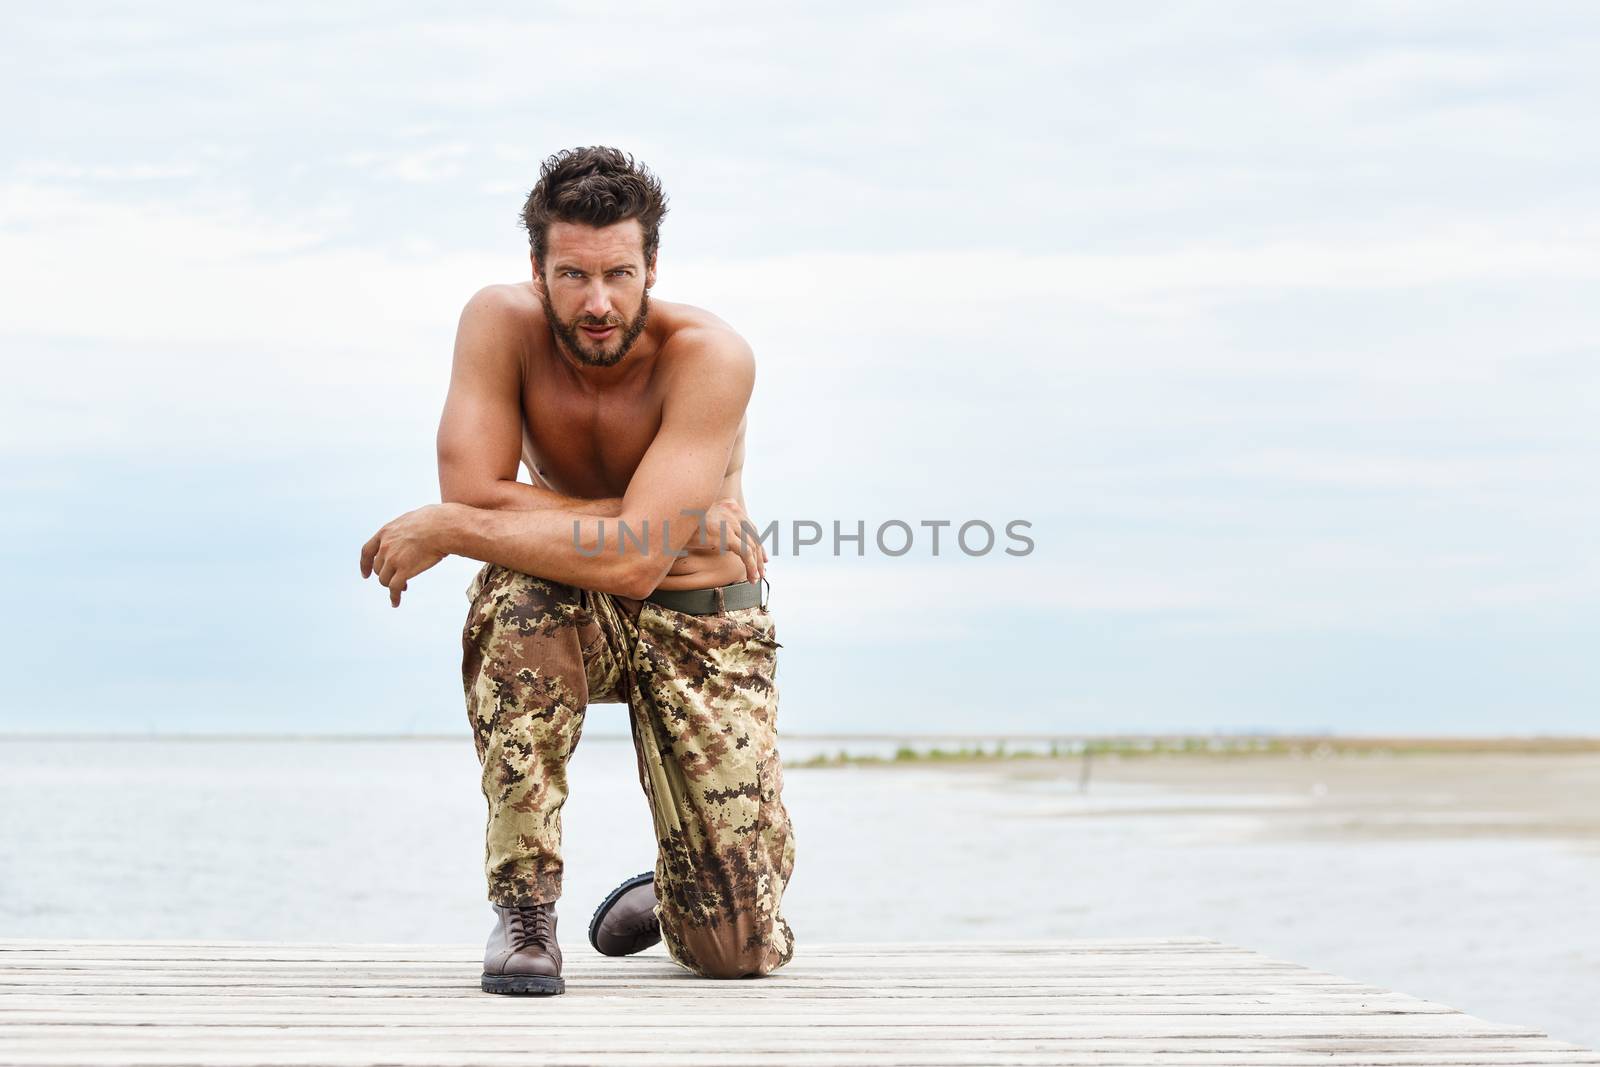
[[646, 924], [531, 924]]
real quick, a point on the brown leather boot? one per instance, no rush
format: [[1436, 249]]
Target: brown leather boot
[[522, 955], [625, 922]]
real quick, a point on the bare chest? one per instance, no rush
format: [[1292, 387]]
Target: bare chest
[[584, 443]]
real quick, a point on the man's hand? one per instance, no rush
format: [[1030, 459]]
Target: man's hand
[[727, 523], [407, 546]]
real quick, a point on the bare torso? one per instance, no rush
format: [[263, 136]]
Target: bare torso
[[587, 441]]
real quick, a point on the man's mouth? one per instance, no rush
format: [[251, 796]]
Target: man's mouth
[[599, 333]]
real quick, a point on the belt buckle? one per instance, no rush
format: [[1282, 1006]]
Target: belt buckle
[[766, 593]]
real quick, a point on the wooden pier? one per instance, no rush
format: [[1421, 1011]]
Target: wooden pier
[[1138, 1001]]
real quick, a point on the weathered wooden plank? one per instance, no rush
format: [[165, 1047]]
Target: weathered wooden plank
[[874, 949], [1064, 963], [1063, 1022], [679, 981], [18, 1007], [930, 975], [753, 994], [556, 1040], [233, 1057], [728, 993], [1147, 1001], [886, 1027]]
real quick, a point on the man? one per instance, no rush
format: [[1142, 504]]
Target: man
[[627, 573]]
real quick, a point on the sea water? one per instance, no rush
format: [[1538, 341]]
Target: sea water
[[382, 840]]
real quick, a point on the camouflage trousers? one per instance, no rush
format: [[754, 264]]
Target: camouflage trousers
[[703, 713]]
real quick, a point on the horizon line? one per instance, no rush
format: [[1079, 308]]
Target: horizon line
[[165, 735]]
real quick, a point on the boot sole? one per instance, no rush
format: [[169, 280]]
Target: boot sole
[[611, 898], [524, 984]]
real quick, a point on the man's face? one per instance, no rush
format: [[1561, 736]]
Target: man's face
[[595, 288]]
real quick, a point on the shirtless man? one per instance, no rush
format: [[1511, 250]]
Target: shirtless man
[[628, 574]]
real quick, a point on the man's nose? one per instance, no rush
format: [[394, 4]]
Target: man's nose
[[597, 302]]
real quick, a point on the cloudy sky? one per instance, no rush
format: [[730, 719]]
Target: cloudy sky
[[1276, 321]]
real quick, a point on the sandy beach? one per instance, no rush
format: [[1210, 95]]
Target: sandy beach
[[1376, 796], [1305, 788]]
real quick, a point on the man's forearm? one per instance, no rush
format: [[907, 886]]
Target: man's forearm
[[558, 543], [510, 495]]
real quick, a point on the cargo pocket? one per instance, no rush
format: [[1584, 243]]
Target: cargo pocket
[[756, 625]]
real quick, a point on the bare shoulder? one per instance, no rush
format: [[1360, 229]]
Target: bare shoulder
[[512, 303], [698, 342], [493, 335]]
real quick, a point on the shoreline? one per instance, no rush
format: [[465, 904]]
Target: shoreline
[[1206, 748], [911, 747], [1363, 796]]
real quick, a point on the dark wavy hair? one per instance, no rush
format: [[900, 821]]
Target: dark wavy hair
[[596, 186]]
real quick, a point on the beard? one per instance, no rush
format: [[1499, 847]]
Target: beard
[[582, 348]]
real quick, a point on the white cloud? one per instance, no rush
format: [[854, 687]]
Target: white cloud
[[192, 273], [432, 164], [1275, 317]]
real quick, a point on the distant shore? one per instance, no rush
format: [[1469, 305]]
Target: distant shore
[[1227, 747], [1349, 789], [886, 749]]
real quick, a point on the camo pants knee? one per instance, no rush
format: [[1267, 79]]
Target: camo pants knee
[[703, 713]]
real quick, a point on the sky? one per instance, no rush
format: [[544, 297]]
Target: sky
[[1274, 322]]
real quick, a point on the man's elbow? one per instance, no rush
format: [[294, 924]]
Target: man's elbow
[[611, 568], [464, 482], [622, 580], [456, 489], [473, 492], [637, 578], [637, 574]]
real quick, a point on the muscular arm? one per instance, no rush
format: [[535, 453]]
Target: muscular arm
[[712, 374], [681, 472], [480, 431]]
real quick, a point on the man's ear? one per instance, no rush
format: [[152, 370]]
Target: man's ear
[[538, 275], [650, 274]]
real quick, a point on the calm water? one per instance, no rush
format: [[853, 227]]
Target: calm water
[[382, 841]]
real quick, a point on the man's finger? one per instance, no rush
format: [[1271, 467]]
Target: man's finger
[[741, 545], [747, 552], [394, 593], [368, 551]]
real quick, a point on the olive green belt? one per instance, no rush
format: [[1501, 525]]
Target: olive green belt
[[710, 601]]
